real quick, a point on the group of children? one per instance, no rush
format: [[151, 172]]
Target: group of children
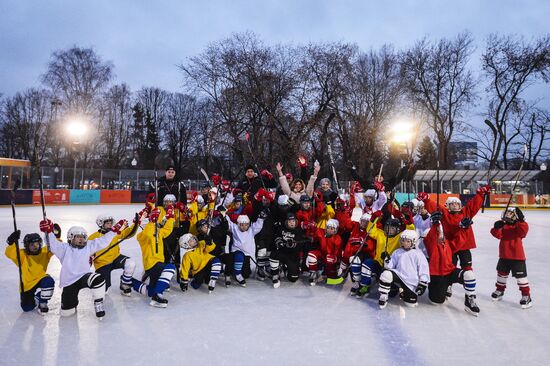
[[257, 229]]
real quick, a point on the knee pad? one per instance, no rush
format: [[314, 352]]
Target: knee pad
[[274, 264], [167, 273], [129, 267], [386, 277], [47, 285], [262, 253], [311, 259], [96, 283], [469, 276], [215, 268], [355, 261]]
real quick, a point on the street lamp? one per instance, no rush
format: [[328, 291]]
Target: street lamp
[[76, 129], [403, 133]]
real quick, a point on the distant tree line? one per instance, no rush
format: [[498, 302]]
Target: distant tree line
[[282, 95]]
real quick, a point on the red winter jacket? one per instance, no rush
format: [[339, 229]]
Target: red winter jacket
[[511, 245], [459, 239], [328, 245], [441, 254]]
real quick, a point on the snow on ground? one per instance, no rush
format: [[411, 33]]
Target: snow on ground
[[293, 325]]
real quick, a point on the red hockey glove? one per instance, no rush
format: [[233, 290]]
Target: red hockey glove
[[375, 215], [260, 194], [119, 226], [266, 174], [422, 196], [379, 186], [484, 189], [151, 198], [226, 186], [356, 187], [46, 226], [307, 225], [270, 196], [216, 179], [289, 176], [169, 212], [302, 161], [236, 191], [181, 207], [154, 215]]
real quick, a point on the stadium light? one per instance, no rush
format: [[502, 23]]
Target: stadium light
[[76, 128]]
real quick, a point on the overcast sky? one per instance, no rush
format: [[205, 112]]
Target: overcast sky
[[146, 39]]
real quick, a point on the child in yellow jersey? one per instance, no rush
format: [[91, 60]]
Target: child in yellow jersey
[[197, 260], [387, 241], [151, 241], [37, 284], [198, 210], [109, 259]]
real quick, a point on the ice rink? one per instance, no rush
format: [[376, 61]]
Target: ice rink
[[293, 325]]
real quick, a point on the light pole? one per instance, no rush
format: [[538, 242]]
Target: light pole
[[134, 163], [76, 129]]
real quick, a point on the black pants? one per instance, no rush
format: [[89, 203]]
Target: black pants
[[438, 285], [407, 295], [465, 257], [106, 270], [153, 274], [69, 296], [517, 267], [290, 262], [228, 261]]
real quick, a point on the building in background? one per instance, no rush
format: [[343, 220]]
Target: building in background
[[463, 154]]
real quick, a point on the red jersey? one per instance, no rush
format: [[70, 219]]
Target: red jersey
[[511, 243], [459, 238], [441, 254], [328, 245]]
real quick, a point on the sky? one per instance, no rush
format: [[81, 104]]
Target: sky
[[146, 40]]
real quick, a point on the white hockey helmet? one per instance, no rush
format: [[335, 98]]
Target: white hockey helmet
[[169, 198], [411, 235], [101, 219], [77, 231], [370, 193], [283, 200], [188, 241], [243, 219], [333, 223], [452, 200]]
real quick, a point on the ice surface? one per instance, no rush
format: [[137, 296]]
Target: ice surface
[[293, 325]]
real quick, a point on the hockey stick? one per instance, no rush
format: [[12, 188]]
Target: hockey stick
[[517, 178], [254, 160], [18, 255], [43, 204], [494, 130], [342, 278], [130, 234], [329, 147], [156, 223]]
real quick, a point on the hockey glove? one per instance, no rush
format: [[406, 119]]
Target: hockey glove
[[520, 215], [216, 179], [46, 226], [119, 226], [263, 214], [379, 187], [465, 223], [154, 215], [484, 189], [385, 256], [266, 174], [150, 198], [436, 217], [14, 237], [302, 161], [57, 230], [184, 285], [498, 224], [421, 288], [422, 196], [181, 207], [169, 212]]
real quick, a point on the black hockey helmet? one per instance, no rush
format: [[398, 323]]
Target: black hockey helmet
[[32, 238], [391, 227], [305, 198], [291, 217], [201, 222]]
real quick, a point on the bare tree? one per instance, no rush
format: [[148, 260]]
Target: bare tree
[[511, 65], [437, 78]]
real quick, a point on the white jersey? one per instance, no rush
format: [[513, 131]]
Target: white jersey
[[421, 226], [411, 266], [376, 205], [75, 262], [244, 240]]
